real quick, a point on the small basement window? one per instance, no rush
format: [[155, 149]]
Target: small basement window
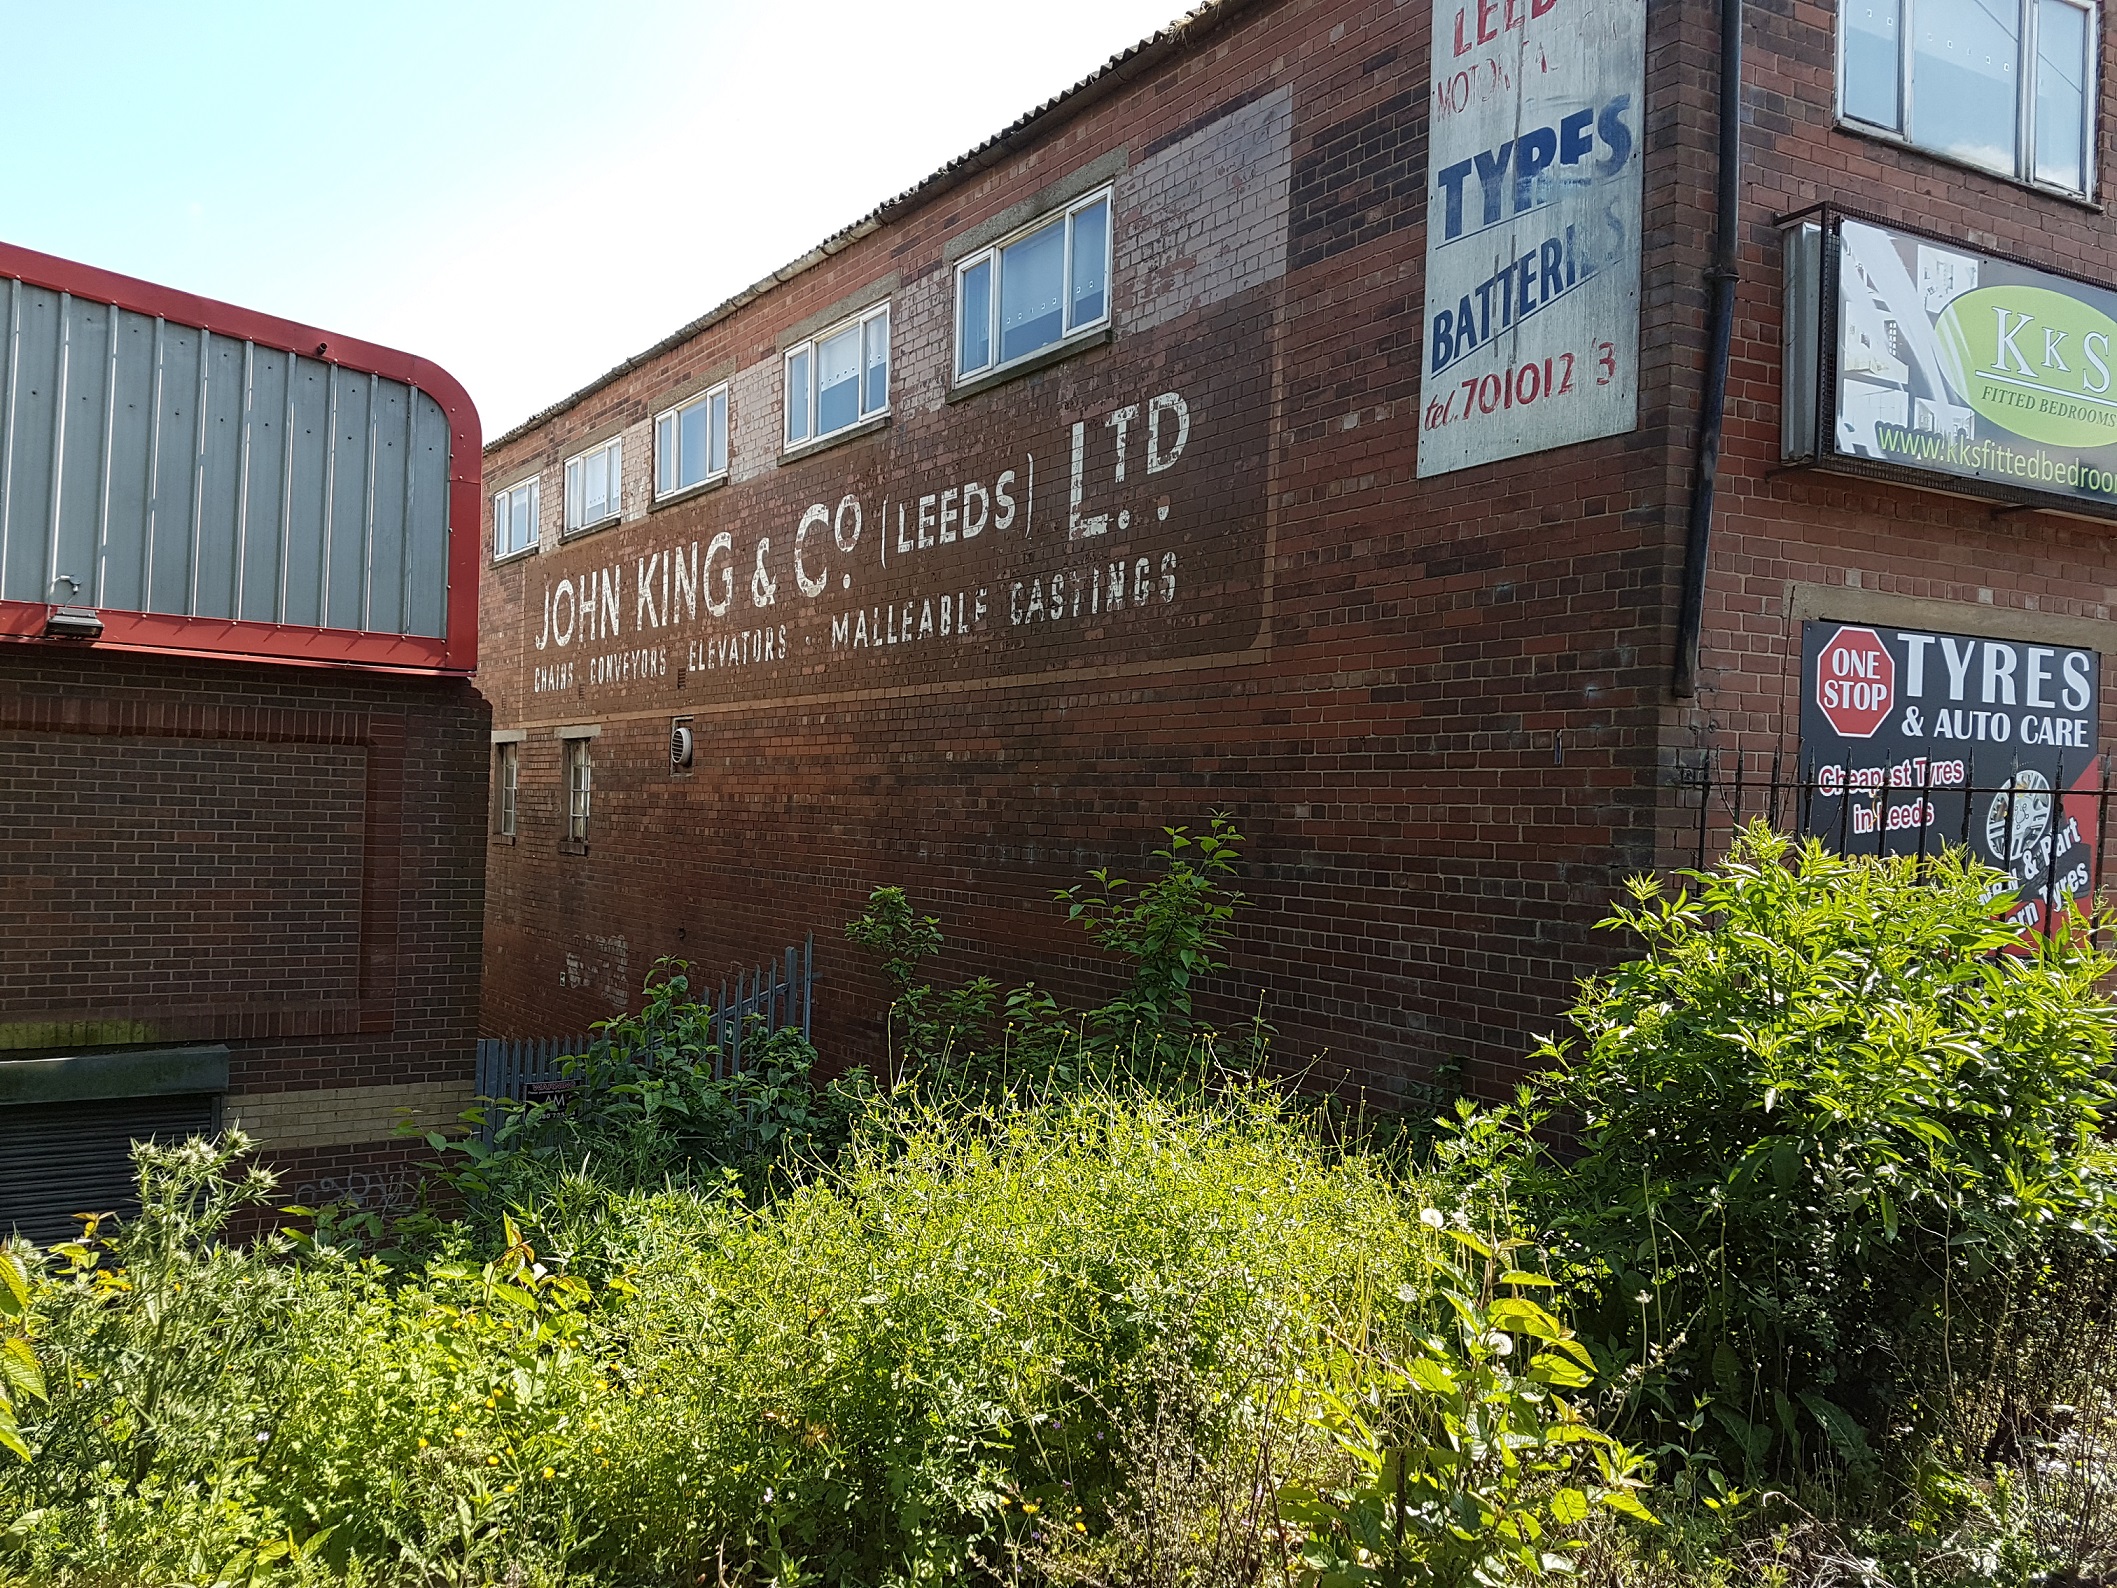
[[594, 490], [691, 442], [507, 777], [580, 777], [836, 380], [1035, 289]]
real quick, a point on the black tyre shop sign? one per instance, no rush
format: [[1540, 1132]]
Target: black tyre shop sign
[[1913, 740]]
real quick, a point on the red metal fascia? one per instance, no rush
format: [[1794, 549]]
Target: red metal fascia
[[456, 652], [227, 639]]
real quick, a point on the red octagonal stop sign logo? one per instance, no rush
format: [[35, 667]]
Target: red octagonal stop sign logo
[[1855, 682]]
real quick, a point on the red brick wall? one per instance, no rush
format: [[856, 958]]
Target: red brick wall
[[288, 860], [1439, 710], [1796, 543]]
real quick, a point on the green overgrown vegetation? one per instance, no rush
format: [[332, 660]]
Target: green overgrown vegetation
[[1793, 1265]]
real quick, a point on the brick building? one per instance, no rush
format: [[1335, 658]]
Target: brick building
[[242, 767], [1271, 424]]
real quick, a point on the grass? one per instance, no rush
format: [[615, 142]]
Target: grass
[[912, 1367]]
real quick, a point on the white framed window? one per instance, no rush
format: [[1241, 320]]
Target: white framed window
[[2008, 85], [580, 787], [507, 779], [691, 442], [839, 378], [1033, 290], [514, 519], [594, 488]]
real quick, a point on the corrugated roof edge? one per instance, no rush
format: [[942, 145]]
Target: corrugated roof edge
[[1122, 68]]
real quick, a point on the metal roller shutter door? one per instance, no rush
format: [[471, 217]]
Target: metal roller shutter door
[[60, 1159]]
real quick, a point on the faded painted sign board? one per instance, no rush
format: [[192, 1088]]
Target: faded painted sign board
[[1533, 199]]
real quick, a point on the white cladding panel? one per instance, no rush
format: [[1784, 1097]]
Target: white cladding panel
[[1532, 227], [155, 467]]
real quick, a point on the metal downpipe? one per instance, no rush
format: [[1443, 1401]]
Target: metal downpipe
[[1722, 276]]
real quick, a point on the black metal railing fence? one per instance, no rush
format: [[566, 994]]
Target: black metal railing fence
[[781, 991], [2044, 829]]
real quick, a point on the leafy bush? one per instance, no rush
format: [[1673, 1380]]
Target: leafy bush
[[1170, 928], [20, 1376], [1826, 1125], [655, 1100], [1469, 1467]]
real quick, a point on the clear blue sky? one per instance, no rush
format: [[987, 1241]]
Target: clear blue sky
[[526, 193]]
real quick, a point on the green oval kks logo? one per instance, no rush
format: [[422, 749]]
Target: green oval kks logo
[[2034, 361]]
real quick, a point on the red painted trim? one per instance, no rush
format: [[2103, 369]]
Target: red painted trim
[[137, 631], [167, 634]]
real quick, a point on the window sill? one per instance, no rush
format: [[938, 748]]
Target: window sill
[[504, 838], [675, 498], [803, 449], [1881, 135], [589, 529], [573, 846], [1043, 358], [519, 554]]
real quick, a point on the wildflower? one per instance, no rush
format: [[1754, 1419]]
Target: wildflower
[[549, 1473], [1431, 1218], [422, 1444], [492, 1461]]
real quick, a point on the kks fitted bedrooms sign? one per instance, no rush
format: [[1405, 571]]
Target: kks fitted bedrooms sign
[[1958, 363], [1532, 227], [1913, 740]]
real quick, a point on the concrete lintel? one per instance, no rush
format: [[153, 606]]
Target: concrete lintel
[[87, 1077], [1849, 605]]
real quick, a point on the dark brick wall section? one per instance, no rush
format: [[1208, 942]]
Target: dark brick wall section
[[136, 850], [1362, 178], [289, 860]]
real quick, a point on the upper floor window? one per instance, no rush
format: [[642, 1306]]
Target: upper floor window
[[839, 378], [514, 519], [691, 442], [2008, 85], [593, 491], [1036, 288]]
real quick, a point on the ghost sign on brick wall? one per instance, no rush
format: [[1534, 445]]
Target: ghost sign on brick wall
[[1532, 227]]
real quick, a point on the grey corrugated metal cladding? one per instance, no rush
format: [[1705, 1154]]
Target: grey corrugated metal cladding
[[155, 467]]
